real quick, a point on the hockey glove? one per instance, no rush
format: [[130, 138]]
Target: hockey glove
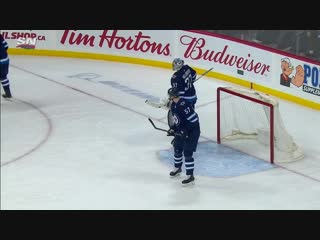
[[170, 132], [181, 133], [165, 102]]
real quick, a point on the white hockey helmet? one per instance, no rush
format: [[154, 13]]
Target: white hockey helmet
[[177, 64]]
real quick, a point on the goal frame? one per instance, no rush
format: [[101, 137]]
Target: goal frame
[[248, 98]]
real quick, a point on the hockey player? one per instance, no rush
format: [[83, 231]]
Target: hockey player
[[4, 67], [186, 132], [183, 79]]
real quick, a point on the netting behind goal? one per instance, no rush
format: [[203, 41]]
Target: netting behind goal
[[251, 122]]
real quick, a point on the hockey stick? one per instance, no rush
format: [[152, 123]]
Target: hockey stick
[[160, 129], [203, 74]]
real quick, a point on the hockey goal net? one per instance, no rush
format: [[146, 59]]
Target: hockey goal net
[[250, 121]]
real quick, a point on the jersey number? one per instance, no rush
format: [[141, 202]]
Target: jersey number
[[187, 110], [187, 79]]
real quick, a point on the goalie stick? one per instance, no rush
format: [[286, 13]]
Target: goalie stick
[[203, 74], [161, 104]]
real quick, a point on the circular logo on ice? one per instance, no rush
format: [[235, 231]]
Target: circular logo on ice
[[85, 76]]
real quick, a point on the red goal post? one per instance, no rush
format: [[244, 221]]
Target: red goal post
[[248, 114]]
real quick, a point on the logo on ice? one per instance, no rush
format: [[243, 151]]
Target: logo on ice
[[26, 43]]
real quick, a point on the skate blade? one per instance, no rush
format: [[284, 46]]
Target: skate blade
[[7, 99], [188, 184], [177, 175]]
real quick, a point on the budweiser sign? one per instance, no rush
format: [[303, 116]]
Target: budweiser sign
[[196, 50]]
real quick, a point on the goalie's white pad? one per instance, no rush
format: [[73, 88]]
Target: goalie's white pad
[[163, 103]]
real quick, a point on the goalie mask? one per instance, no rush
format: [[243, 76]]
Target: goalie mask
[[177, 64]]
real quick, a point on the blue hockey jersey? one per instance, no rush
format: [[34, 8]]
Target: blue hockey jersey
[[183, 80], [3, 50], [184, 116]]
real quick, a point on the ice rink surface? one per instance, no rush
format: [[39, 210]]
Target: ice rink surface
[[77, 136]]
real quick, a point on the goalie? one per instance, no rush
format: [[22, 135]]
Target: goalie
[[182, 79]]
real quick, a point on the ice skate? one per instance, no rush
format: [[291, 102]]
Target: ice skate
[[188, 181], [6, 96], [175, 172]]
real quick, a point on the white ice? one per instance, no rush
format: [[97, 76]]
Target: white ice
[[71, 143]]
